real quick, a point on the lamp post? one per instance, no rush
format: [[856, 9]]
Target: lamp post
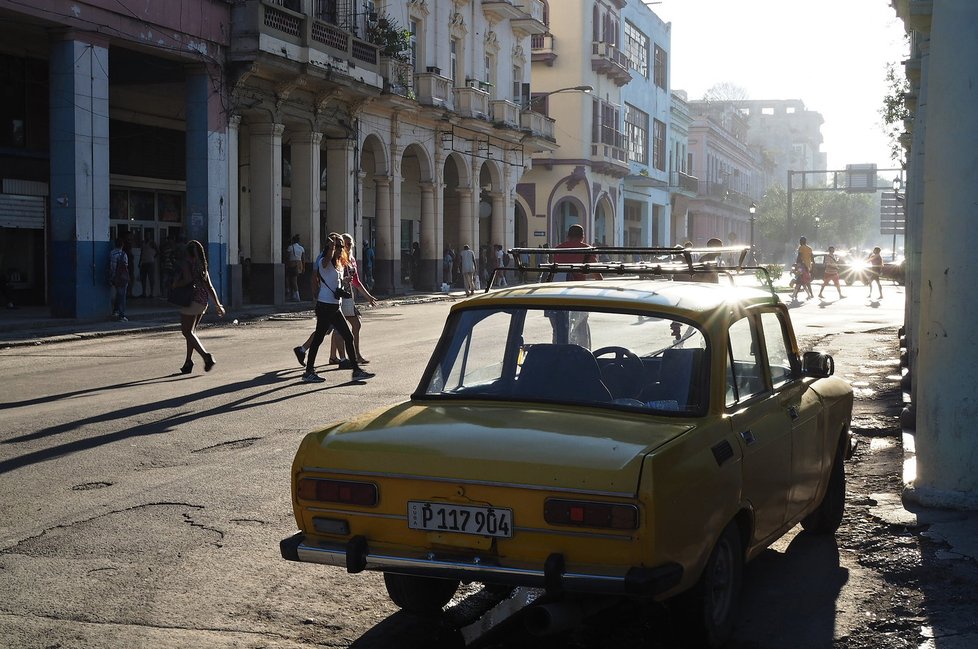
[[752, 210], [534, 99], [818, 222]]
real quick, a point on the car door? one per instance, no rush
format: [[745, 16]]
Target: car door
[[802, 407], [762, 428]]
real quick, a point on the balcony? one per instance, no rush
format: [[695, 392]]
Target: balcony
[[609, 157], [471, 102], [398, 76], [499, 10], [432, 89], [537, 124], [609, 60], [542, 49], [531, 22], [683, 182], [273, 27], [503, 111]]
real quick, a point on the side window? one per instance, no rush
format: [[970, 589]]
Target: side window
[[776, 344], [478, 359], [745, 376]]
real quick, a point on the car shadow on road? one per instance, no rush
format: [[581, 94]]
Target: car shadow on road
[[266, 388]]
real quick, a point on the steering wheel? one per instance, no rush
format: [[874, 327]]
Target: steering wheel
[[624, 374]]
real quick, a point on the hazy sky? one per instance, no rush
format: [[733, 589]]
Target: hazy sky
[[831, 54]]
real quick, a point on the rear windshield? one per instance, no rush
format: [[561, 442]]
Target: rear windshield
[[597, 358]]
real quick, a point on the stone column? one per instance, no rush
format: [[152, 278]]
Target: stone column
[[207, 172], [499, 217], [267, 271], [468, 233], [235, 295], [430, 255], [384, 256], [339, 196], [947, 408], [306, 196], [79, 200]]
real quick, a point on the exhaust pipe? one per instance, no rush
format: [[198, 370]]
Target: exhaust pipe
[[548, 619]]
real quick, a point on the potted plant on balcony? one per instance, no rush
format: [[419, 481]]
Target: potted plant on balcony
[[393, 40]]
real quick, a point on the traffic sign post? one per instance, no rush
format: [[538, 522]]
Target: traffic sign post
[[893, 218]]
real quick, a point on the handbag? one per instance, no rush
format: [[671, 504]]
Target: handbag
[[181, 295]]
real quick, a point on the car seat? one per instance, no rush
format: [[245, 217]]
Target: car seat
[[561, 372], [679, 379]]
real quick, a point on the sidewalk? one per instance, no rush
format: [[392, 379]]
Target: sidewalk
[[35, 325]]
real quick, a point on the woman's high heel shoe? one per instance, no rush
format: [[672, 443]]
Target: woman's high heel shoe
[[209, 362], [187, 368]]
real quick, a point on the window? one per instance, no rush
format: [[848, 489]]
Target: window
[[517, 84], [744, 375], [637, 134], [659, 145], [415, 53], [490, 72], [660, 77], [778, 357], [637, 49], [604, 124]]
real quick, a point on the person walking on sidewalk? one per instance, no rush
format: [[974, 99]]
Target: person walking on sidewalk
[[351, 284], [147, 264], [875, 260], [804, 262], [119, 279], [330, 276], [468, 265], [831, 272], [294, 263], [193, 272]]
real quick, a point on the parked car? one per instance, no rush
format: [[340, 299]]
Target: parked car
[[637, 436], [856, 269]]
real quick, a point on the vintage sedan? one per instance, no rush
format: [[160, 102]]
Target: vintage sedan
[[640, 436]]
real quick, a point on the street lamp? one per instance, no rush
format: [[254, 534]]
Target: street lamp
[[534, 99], [752, 210]]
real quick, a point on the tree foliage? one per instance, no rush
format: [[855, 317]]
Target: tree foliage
[[725, 91], [894, 110]]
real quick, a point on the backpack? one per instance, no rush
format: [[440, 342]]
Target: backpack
[[118, 268]]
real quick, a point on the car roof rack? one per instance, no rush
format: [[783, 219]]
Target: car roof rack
[[675, 263]]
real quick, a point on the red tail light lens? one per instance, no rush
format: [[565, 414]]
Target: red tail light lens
[[363, 494], [586, 513]]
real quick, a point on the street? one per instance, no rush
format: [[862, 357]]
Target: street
[[143, 508]]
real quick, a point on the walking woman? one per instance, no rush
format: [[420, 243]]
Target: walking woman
[[352, 283], [328, 314], [193, 272]]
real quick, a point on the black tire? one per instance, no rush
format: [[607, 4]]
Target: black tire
[[827, 517], [421, 595], [711, 608]]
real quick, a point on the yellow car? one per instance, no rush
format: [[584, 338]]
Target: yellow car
[[632, 436]]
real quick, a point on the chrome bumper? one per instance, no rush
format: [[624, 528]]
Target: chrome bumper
[[356, 556]]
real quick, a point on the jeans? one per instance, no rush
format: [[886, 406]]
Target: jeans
[[119, 303]]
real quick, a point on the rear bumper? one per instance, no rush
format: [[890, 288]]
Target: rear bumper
[[356, 556]]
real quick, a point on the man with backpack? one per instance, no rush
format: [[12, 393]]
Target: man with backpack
[[119, 280]]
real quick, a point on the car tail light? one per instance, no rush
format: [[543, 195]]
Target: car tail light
[[338, 491], [587, 513]]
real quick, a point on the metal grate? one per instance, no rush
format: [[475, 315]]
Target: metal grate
[[283, 22]]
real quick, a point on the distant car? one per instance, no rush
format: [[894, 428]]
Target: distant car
[[637, 436], [857, 270]]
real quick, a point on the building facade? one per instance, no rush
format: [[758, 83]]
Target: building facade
[[114, 126], [578, 83]]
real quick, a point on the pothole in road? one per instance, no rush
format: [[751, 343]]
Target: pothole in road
[[88, 486], [228, 446]]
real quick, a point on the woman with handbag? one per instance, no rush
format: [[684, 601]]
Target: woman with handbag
[[193, 275], [329, 276], [352, 284]]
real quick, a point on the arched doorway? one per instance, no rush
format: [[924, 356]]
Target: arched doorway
[[567, 212]]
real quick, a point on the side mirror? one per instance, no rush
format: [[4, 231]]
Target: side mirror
[[817, 364]]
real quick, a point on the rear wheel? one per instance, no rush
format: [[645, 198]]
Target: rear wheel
[[710, 609], [827, 517], [423, 595]]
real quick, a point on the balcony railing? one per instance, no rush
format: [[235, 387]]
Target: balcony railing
[[505, 112], [683, 182], [254, 20], [432, 89], [537, 124], [398, 76], [542, 48], [531, 22], [609, 60], [471, 102]]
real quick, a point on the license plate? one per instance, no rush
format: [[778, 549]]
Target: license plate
[[445, 517]]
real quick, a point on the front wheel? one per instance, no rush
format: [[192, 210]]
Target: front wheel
[[711, 607], [827, 517], [421, 595]]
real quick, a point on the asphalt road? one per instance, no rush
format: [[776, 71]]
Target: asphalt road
[[143, 508]]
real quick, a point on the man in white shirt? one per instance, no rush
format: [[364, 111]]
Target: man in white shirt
[[468, 266], [293, 267]]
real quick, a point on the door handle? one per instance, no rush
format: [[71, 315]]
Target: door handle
[[793, 412]]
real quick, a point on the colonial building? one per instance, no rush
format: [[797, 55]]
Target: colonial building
[[407, 122], [578, 82]]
